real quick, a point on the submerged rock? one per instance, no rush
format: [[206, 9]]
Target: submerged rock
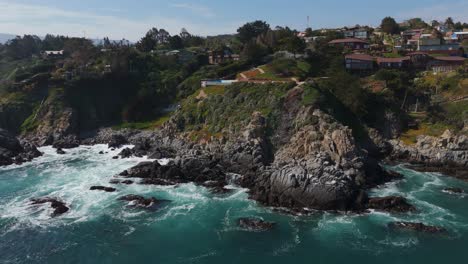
[[255, 224], [102, 188], [392, 204], [140, 201], [58, 206], [453, 190], [418, 227]]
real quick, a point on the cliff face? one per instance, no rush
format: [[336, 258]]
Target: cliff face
[[320, 167], [447, 153], [296, 157]]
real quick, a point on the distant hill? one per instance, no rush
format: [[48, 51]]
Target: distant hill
[[5, 37]]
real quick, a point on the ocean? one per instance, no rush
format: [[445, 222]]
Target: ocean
[[200, 227]]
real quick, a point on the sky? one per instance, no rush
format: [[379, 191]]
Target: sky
[[128, 19]]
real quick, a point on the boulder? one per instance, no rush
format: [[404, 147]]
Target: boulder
[[255, 224], [117, 141], [142, 202], [126, 153]]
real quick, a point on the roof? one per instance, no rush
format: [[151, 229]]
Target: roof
[[450, 58], [362, 57], [348, 40], [391, 60], [54, 52], [417, 53]]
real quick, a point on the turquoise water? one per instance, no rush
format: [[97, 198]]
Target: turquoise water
[[198, 227]]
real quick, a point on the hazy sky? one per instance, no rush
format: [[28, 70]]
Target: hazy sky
[[131, 19]]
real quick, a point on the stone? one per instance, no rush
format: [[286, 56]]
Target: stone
[[102, 188], [142, 202]]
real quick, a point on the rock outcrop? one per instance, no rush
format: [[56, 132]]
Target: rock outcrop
[[13, 151], [447, 154], [320, 167]]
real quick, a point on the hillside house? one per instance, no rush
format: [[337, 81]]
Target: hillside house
[[419, 59], [351, 43], [446, 64], [215, 57], [357, 32], [450, 49], [359, 62], [52, 54], [393, 63], [460, 36], [181, 55]]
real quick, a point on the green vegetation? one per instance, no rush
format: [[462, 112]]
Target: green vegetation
[[229, 110], [145, 125]]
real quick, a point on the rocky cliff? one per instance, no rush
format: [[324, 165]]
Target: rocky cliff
[[447, 154]]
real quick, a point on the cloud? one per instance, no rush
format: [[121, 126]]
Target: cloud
[[197, 9], [40, 20], [457, 10]]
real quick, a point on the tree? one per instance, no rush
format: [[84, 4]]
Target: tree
[[184, 34], [252, 30], [417, 23], [389, 25], [295, 45], [149, 41], [176, 42], [23, 47], [254, 52], [449, 23], [435, 23]]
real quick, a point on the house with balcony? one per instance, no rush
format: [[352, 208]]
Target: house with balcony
[[351, 43], [393, 63], [359, 62], [446, 64], [357, 32]]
